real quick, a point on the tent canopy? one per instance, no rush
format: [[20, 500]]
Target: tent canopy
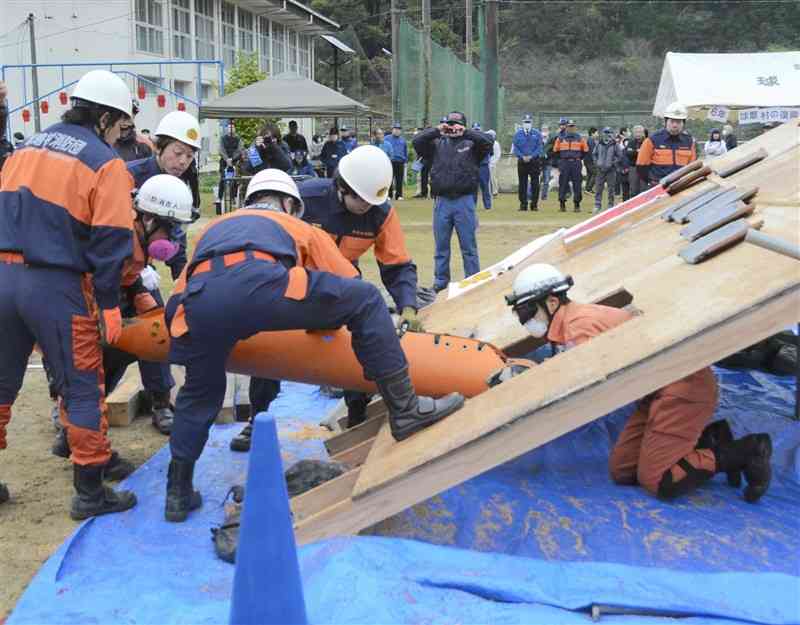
[[730, 80], [285, 95]]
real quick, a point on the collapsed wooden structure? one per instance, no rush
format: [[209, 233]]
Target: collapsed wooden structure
[[695, 307]]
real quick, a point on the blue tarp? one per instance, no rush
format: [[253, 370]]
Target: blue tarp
[[537, 540]]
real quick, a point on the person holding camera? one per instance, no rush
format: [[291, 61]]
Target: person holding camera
[[268, 151], [454, 154]]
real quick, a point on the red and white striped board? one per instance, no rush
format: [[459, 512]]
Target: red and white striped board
[[611, 215]]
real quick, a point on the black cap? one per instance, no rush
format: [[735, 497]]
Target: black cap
[[457, 117]]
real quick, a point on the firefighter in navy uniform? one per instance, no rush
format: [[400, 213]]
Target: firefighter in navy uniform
[[667, 150], [262, 269], [352, 209], [65, 235], [570, 150]]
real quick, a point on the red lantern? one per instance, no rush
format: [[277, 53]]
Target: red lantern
[[62, 97], [141, 91], [45, 106], [26, 115], [181, 106], [162, 100]]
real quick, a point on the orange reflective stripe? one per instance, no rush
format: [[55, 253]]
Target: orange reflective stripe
[[233, 258], [684, 156], [178, 326], [390, 246], [662, 156], [86, 352], [12, 258], [645, 153], [297, 289]]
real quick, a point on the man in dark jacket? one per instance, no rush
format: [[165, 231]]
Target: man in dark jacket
[[729, 136], [295, 140], [607, 156], [333, 150], [591, 169], [454, 154], [231, 153], [631, 147]]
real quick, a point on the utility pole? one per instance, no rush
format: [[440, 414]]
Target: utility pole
[[470, 99], [395, 10], [426, 65], [37, 122], [492, 71]]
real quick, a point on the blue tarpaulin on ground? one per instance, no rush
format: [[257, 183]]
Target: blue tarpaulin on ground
[[538, 540]]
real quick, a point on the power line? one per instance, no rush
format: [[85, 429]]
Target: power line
[[69, 30]]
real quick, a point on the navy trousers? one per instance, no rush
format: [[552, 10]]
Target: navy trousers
[[228, 304], [569, 173]]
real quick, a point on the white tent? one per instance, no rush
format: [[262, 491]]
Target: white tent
[[763, 79]]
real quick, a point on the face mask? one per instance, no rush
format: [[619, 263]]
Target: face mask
[[536, 328], [162, 250], [526, 126]]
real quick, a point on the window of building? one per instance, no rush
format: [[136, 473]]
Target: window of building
[[204, 29], [228, 34], [151, 84], [304, 56], [205, 91], [264, 44], [278, 48], [247, 41], [182, 87], [150, 26], [292, 35], [182, 29]]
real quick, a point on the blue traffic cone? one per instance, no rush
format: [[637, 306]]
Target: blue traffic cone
[[267, 589]]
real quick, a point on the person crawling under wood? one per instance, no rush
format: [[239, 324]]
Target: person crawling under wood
[[666, 445]]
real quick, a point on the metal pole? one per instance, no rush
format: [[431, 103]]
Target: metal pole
[[37, 122], [336, 78], [470, 100], [492, 75], [426, 65], [395, 11]]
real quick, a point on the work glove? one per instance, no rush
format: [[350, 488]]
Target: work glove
[[506, 373], [110, 325], [150, 278], [407, 321]]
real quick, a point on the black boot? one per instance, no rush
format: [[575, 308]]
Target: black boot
[[60, 446], [117, 468], [716, 434], [93, 498], [752, 455], [241, 442], [409, 413], [356, 408], [4, 495], [577, 207], [523, 207], [163, 412], [562, 206], [535, 207], [181, 496]]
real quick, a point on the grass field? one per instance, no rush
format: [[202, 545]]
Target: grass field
[[502, 230]]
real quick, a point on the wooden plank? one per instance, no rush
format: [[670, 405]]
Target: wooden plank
[[677, 300], [375, 408], [356, 455], [122, 404], [323, 496], [704, 196], [742, 163], [715, 242], [354, 436], [713, 218], [525, 425]]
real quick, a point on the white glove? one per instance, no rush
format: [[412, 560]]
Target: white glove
[[150, 278]]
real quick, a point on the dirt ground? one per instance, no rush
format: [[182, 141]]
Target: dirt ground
[[36, 519]]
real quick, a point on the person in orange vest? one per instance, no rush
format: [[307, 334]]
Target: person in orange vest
[[570, 150], [260, 269], [667, 150], [665, 446], [65, 235]]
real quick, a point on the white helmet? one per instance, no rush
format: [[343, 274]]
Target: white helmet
[[368, 171], [278, 181], [182, 126], [166, 197], [536, 282], [676, 110], [106, 88]]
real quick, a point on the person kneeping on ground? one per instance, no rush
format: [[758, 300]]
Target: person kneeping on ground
[[60, 275], [664, 446], [263, 269]]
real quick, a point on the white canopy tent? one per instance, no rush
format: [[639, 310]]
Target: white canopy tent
[[700, 81]]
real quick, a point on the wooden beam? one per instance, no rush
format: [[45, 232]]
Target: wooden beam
[[524, 427], [323, 496], [354, 436], [356, 455]]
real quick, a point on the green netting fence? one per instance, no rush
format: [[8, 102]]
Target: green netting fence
[[455, 85]]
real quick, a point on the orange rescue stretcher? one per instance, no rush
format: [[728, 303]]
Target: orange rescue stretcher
[[438, 363]]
